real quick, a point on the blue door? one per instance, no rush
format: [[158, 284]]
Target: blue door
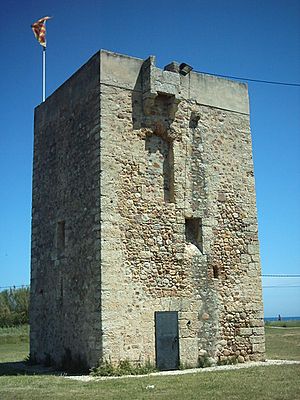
[[166, 340]]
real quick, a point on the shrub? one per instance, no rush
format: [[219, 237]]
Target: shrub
[[14, 304], [124, 367], [204, 361], [232, 360]]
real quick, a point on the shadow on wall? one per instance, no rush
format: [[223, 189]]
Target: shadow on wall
[[137, 103], [160, 164], [156, 113]]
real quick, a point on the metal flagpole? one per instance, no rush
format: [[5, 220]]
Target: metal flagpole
[[39, 31], [44, 73]]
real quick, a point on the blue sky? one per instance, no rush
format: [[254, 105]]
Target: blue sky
[[255, 39]]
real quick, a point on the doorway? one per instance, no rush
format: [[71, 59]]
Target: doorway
[[166, 340]]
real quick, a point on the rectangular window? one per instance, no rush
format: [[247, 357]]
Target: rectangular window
[[193, 232], [215, 272], [60, 237], [169, 175], [160, 166]]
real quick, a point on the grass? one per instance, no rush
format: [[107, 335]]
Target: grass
[[276, 383], [283, 342], [14, 343], [125, 367], [266, 383], [14, 333], [284, 324]]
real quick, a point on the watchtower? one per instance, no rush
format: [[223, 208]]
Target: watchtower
[[144, 226]]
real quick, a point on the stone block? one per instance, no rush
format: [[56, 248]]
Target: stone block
[[257, 339], [258, 347], [245, 331], [259, 331]]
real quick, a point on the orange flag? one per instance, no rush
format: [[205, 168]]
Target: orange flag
[[39, 30]]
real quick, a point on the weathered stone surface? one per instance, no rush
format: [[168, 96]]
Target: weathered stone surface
[[144, 201], [245, 331], [258, 347], [65, 280]]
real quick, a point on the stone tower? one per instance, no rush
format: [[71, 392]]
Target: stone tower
[[144, 226]]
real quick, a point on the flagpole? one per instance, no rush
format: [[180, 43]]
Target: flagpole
[[39, 31], [44, 73]]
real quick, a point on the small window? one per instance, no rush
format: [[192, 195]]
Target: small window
[[168, 171], [60, 237], [194, 119], [160, 169], [215, 272], [193, 232]]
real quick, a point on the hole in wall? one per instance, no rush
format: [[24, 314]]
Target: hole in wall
[[60, 237], [194, 120], [215, 272], [160, 165], [193, 232]]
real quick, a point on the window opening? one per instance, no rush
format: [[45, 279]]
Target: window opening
[[194, 120], [169, 175], [60, 237], [160, 168], [193, 232], [216, 272]]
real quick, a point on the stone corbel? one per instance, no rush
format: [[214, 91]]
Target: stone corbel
[[157, 82]]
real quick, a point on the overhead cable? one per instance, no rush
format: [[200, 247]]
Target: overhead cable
[[295, 84]]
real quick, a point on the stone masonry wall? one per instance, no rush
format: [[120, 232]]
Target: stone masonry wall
[[233, 242], [144, 201], [65, 273], [159, 168]]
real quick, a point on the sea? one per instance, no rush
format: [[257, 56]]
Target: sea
[[282, 318]]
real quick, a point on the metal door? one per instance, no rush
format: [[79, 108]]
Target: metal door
[[166, 340]]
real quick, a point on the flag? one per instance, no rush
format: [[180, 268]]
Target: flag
[[39, 30]]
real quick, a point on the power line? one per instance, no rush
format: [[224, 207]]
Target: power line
[[281, 286], [295, 84], [13, 287], [281, 275]]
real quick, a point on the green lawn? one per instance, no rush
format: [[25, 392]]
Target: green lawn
[[276, 383], [283, 343], [263, 383], [284, 324], [14, 344]]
